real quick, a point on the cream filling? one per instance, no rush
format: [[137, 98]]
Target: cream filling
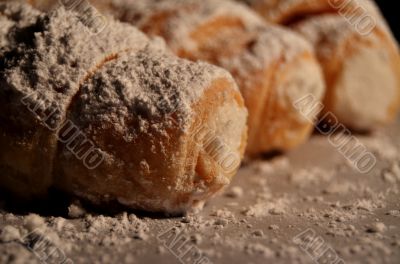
[[366, 89]]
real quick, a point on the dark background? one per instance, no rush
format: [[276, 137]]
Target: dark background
[[391, 10]]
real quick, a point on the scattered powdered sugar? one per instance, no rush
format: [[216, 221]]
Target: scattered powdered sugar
[[378, 227], [395, 213], [280, 164], [365, 204], [382, 146], [259, 249], [273, 207], [235, 192], [313, 176], [223, 213], [76, 211], [116, 230], [34, 221], [197, 238], [258, 233], [9, 234], [340, 188]]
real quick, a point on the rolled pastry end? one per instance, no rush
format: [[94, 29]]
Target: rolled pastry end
[[284, 125], [170, 133], [367, 89], [361, 71], [290, 73]]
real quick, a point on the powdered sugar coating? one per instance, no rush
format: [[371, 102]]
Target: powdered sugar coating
[[149, 85], [62, 53]]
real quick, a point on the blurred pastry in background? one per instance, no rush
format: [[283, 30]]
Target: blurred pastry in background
[[357, 51]]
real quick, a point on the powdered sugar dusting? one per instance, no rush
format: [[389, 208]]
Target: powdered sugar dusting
[[144, 80]]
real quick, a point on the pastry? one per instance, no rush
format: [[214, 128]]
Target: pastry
[[357, 51], [362, 71], [273, 66], [115, 117]]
